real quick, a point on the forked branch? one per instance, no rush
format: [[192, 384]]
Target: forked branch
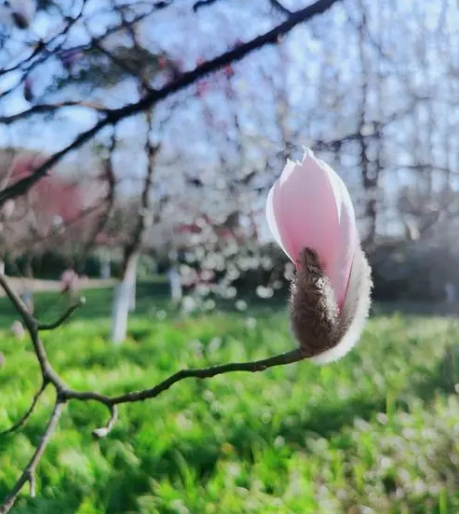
[[65, 394]]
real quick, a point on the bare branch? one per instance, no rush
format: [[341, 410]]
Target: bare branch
[[252, 367], [104, 431], [21, 422], [50, 108], [28, 474], [156, 95], [18, 304], [123, 65], [277, 5], [64, 393], [43, 46], [48, 373], [202, 3], [60, 229], [67, 314], [109, 200], [145, 213]]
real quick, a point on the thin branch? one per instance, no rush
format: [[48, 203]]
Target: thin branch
[[145, 212], [50, 108], [252, 367], [28, 474], [104, 431], [31, 324], [23, 185], [19, 305], [47, 51], [21, 422], [156, 95], [62, 319], [43, 45], [109, 200], [64, 393], [202, 3], [123, 65], [277, 5]]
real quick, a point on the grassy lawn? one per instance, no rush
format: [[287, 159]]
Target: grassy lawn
[[374, 433]]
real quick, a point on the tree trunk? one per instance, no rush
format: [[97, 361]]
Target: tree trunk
[[133, 293], [125, 293], [27, 294], [122, 300], [105, 266], [175, 284]]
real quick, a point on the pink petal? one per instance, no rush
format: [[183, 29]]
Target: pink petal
[[309, 206]]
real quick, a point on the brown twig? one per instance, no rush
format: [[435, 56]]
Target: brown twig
[[252, 367], [202, 3], [104, 431], [64, 393], [67, 314], [22, 421], [43, 46], [109, 200], [28, 475], [277, 5], [47, 372], [50, 108]]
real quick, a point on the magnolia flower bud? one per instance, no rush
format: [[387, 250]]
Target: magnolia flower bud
[[311, 216]]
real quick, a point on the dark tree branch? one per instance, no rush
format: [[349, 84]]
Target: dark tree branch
[[47, 372], [28, 474], [43, 46], [123, 65], [145, 213], [277, 5], [156, 95], [202, 3], [109, 200], [64, 393], [104, 431], [130, 29], [67, 314], [252, 367], [21, 422], [50, 108], [46, 50]]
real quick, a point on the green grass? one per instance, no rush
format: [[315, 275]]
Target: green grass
[[374, 433]]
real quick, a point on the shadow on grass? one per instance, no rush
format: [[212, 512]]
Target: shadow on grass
[[126, 483]]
